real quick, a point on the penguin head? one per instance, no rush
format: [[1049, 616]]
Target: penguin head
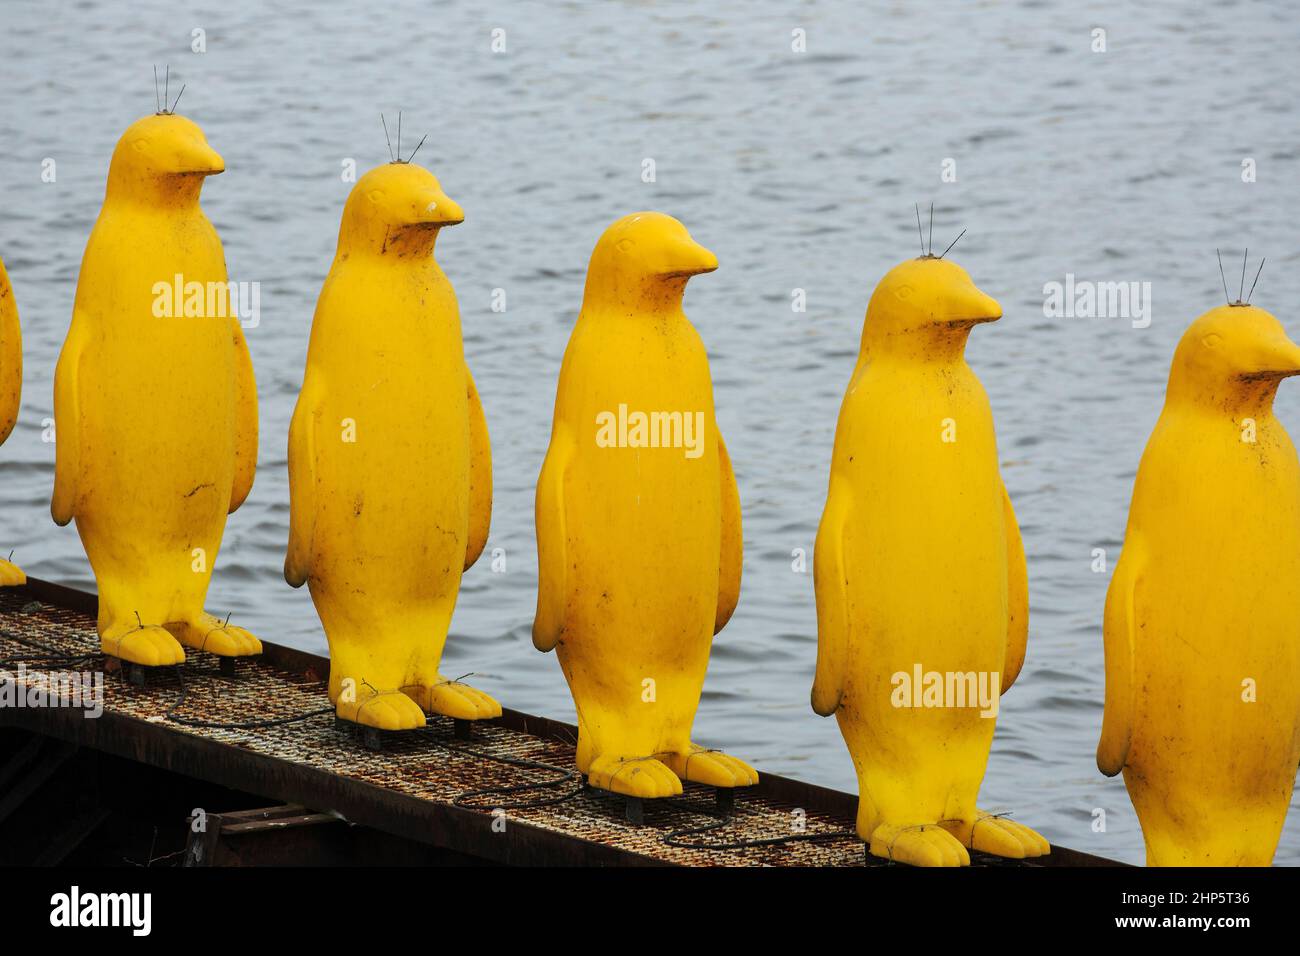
[[927, 299], [398, 207], [644, 261], [160, 154], [1233, 348]]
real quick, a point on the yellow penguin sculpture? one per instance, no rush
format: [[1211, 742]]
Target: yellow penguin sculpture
[[11, 389], [390, 470], [638, 518], [919, 570], [1202, 621], [154, 401]]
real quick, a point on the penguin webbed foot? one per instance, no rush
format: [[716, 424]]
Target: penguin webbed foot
[[713, 768], [146, 644], [210, 633], [11, 575], [633, 776], [451, 698], [383, 710], [998, 836], [924, 844]]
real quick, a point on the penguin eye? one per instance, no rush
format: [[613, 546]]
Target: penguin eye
[[626, 245], [376, 196], [1212, 340], [141, 144], [904, 292]]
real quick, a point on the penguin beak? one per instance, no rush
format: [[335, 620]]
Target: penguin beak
[[438, 210], [202, 160], [1281, 360], [689, 258], [974, 307]]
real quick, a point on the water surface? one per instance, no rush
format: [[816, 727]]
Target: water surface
[[799, 171]]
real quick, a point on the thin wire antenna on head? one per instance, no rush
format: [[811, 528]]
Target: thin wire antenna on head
[[953, 243], [1225, 281], [931, 252], [417, 147], [178, 98], [918, 228], [1252, 285], [386, 139], [399, 134], [156, 106], [1241, 287], [167, 82]]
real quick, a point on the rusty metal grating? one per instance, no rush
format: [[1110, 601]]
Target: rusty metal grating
[[429, 765]]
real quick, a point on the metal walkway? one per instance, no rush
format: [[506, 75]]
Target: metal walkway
[[486, 797]]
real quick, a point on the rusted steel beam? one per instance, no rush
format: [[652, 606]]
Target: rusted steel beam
[[294, 836], [267, 835]]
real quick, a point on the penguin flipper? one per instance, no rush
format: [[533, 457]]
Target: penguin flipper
[[552, 543], [480, 477], [67, 423], [1119, 632], [733, 541], [831, 584], [245, 421], [11, 357], [1018, 597], [302, 481]]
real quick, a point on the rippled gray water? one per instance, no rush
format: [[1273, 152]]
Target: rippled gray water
[[799, 171]]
